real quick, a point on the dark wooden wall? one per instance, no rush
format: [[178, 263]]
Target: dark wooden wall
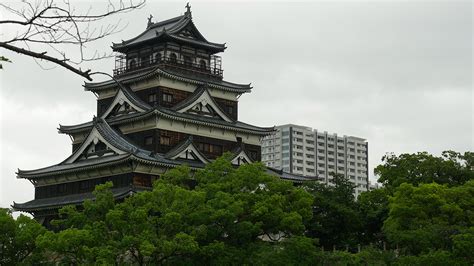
[[176, 137], [83, 186]]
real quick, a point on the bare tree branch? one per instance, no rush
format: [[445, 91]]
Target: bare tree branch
[[50, 27], [48, 58]]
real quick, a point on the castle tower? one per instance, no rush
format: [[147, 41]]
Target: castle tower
[[167, 105]]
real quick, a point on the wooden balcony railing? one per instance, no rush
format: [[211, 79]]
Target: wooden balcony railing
[[123, 67]]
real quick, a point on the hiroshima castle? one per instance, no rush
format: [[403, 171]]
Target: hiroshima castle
[[166, 105]]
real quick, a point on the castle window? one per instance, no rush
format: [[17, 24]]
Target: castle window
[[202, 64], [173, 57], [157, 57], [210, 148], [188, 61], [215, 149], [230, 109], [165, 140], [145, 60], [152, 98], [132, 64], [167, 97]]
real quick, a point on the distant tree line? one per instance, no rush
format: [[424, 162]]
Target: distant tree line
[[423, 215]]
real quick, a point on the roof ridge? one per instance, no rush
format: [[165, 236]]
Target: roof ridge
[[154, 25], [166, 21]]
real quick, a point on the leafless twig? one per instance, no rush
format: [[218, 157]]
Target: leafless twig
[[52, 24]]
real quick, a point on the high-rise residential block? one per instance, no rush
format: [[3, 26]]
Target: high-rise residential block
[[312, 153]]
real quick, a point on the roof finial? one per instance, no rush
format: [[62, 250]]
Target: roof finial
[[188, 9], [149, 21]]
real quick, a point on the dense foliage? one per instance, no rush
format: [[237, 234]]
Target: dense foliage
[[225, 215]]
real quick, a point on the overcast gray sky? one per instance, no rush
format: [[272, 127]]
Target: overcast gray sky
[[396, 73]]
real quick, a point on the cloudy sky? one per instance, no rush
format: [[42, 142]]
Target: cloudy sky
[[396, 73]]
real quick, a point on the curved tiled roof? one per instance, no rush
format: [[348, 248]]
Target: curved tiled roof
[[113, 138], [171, 114], [195, 96], [132, 97], [72, 199], [157, 71], [169, 28], [182, 146], [289, 176]]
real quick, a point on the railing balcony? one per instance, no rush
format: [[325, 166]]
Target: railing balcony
[[122, 66]]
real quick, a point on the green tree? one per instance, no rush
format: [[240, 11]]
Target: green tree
[[432, 217], [17, 239], [336, 219], [451, 168], [233, 215], [373, 207]]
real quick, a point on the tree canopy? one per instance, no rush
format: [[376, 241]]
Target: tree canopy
[[227, 215], [451, 168]]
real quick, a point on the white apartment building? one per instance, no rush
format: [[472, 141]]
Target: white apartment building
[[309, 152]]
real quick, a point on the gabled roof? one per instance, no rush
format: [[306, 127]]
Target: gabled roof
[[171, 29], [125, 95], [186, 150], [122, 150], [71, 199], [240, 156], [202, 97], [175, 75]]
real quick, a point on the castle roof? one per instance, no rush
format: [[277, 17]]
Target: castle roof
[[176, 116], [71, 199], [180, 29], [175, 75], [123, 150]]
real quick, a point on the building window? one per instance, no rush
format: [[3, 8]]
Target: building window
[[210, 148], [173, 57], [152, 98], [202, 64], [187, 60], [157, 57], [132, 64], [149, 140], [230, 109], [167, 97], [145, 60], [165, 140]]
